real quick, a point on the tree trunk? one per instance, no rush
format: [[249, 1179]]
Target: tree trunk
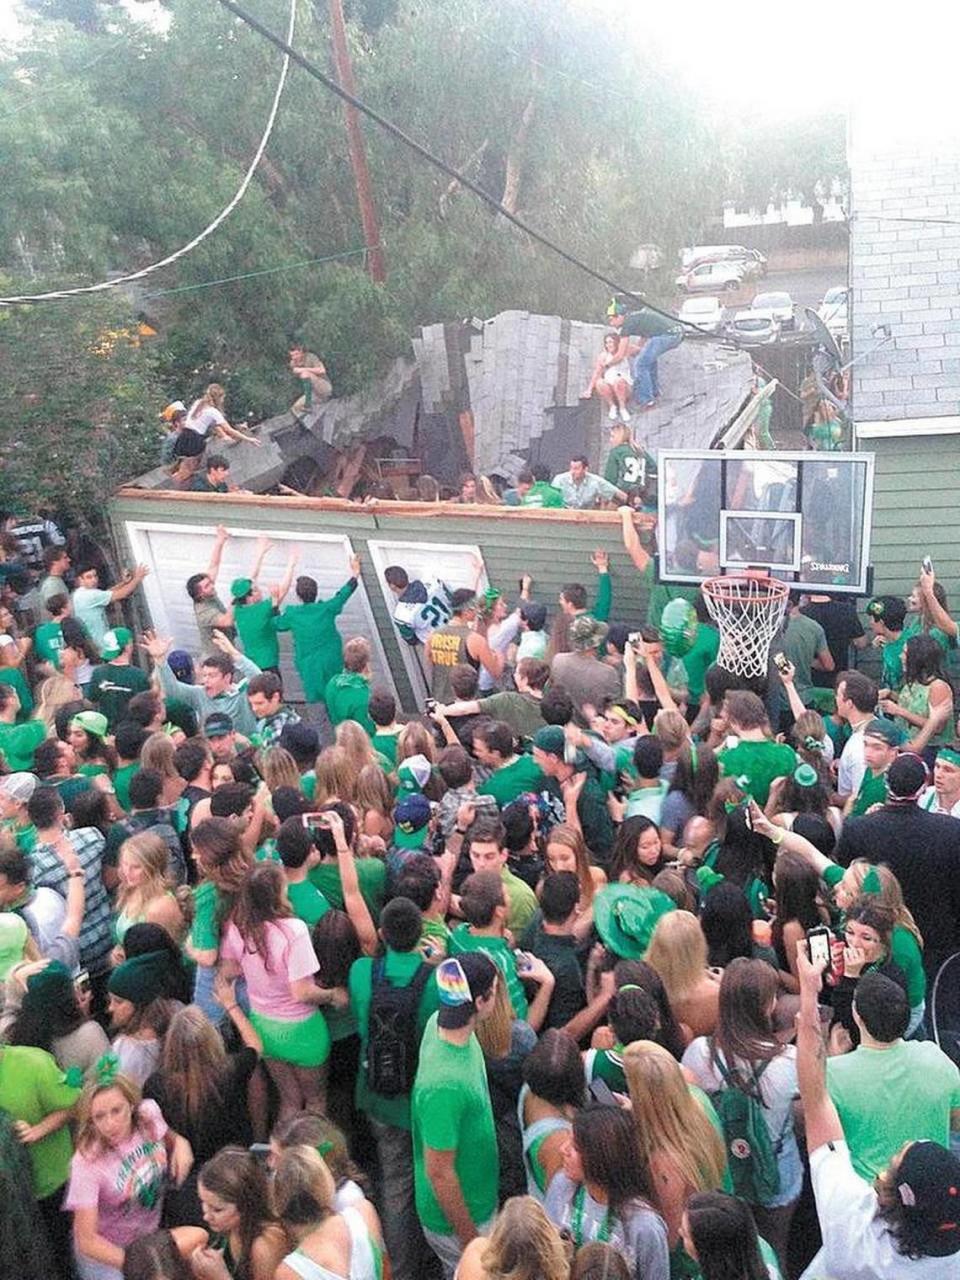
[[515, 153]]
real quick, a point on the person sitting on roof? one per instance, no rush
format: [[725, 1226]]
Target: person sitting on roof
[[612, 382]]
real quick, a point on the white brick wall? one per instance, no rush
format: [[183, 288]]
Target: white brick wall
[[906, 275]]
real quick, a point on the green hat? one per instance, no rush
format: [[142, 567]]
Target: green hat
[[13, 939], [888, 730], [805, 775], [92, 722], [240, 588], [114, 642], [51, 988], [143, 978], [491, 596], [551, 739], [626, 915]]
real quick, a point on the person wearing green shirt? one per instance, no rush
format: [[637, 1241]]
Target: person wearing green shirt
[[483, 901], [887, 615], [14, 677], [255, 611], [537, 493], [805, 644], [400, 965], [48, 637], [117, 680], [455, 1156], [513, 774], [15, 790], [627, 467], [371, 872], [702, 653], [755, 760], [347, 695], [17, 741], [890, 1091], [297, 851], [317, 646], [882, 739]]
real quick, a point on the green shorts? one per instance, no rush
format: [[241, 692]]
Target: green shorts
[[304, 1043]]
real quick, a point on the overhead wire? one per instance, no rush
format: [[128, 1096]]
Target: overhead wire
[[103, 285], [265, 271]]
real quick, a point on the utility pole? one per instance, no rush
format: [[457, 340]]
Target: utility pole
[[358, 156]]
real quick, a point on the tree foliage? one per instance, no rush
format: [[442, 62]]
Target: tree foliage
[[121, 140]]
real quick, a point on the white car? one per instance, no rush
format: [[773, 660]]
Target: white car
[[781, 304], [754, 325], [833, 311], [710, 276], [704, 312]]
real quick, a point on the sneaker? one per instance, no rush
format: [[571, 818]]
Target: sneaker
[[624, 416], [613, 414]]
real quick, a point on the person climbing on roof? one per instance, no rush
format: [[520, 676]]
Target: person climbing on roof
[[658, 334]]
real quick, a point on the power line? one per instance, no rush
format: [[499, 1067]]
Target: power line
[[250, 275], [103, 285], [426, 154]]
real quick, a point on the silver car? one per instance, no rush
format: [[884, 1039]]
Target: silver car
[[754, 327], [781, 304]]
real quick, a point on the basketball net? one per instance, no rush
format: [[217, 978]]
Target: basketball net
[[748, 610]]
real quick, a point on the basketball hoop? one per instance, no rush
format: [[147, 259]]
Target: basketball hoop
[[748, 610]]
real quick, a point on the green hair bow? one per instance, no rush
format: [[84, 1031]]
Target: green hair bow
[[107, 1069]]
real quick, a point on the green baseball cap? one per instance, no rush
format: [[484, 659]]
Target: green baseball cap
[[91, 722], [114, 642], [626, 915], [240, 587]]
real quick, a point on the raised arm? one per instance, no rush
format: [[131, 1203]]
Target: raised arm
[[282, 589], [631, 539], [820, 1117], [216, 555], [938, 615], [263, 548], [129, 584], [158, 647], [601, 562], [658, 680], [787, 676], [353, 900]]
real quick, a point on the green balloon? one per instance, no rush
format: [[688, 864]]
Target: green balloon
[[678, 627]]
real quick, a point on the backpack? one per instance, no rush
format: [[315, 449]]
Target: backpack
[[392, 1044], [751, 1152]]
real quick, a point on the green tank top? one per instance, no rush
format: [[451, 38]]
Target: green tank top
[[916, 698]]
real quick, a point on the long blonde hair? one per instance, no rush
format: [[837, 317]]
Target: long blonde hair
[[890, 895], [669, 1119], [194, 1062], [678, 952], [373, 791], [158, 753], [336, 779], [151, 852], [303, 1190], [89, 1142], [496, 1030], [571, 838], [415, 740], [352, 737], [278, 768], [524, 1244], [55, 692]]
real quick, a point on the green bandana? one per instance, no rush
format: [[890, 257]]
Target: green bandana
[[948, 754]]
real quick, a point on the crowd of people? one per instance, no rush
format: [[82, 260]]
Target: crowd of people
[[605, 963]]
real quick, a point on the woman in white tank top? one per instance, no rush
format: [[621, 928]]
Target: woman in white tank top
[[330, 1245]]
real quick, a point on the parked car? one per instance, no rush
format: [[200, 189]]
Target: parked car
[[752, 260], [781, 304], [833, 310], [710, 276], [705, 312], [754, 326], [754, 264]]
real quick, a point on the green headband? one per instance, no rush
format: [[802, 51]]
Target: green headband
[[693, 757], [948, 754]]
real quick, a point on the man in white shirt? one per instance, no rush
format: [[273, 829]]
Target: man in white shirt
[[906, 1226], [856, 703], [582, 489], [944, 795]]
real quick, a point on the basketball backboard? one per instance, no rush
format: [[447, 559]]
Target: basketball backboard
[[804, 517]]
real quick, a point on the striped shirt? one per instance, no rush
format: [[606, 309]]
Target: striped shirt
[[96, 938]]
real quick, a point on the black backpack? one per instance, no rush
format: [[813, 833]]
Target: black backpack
[[392, 1043]]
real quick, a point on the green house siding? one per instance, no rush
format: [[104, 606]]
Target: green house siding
[[915, 510], [554, 548]]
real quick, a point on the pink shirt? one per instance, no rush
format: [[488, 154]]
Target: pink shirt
[[124, 1184], [289, 957]]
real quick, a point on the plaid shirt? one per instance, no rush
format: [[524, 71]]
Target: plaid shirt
[[269, 730], [96, 938]]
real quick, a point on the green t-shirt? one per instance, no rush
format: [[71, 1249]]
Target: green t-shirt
[[434, 939], [47, 643], [307, 902], [24, 837], [628, 468], [14, 677], [317, 646], [754, 765], [400, 968], [703, 654], [254, 623], [542, 494], [886, 1097], [512, 780], [347, 697], [31, 1086], [522, 903], [18, 743], [111, 688], [905, 951], [803, 639], [386, 744], [205, 930], [121, 783], [873, 790], [372, 874], [451, 1111], [502, 955]]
